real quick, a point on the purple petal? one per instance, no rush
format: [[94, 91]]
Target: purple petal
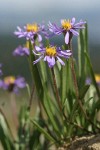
[[37, 60], [20, 82], [35, 53], [66, 52], [60, 61], [74, 32], [88, 80], [1, 83], [67, 38], [73, 21], [19, 28], [1, 73], [48, 58], [79, 24], [53, 28], [39, 49], [51, 61], [39, 38], [26, 51], [21, 51]]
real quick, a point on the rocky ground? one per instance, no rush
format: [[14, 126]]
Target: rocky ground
[[84, 143]]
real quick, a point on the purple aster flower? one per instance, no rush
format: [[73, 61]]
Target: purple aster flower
[[97, 78], [51, 54], [21, 51], [12, 84], [69, 28], [31, 32]]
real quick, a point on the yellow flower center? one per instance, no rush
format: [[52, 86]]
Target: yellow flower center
[[97, 77], [32, 27], [9, 80], [66, 24], [51, 51]]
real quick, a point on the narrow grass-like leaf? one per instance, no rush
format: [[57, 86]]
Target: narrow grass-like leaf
[[92, 74], [81, 54], [83, 91], [64, 82], [43, 131], [5, 136], [83, 48], [35, 73], [50, 113]]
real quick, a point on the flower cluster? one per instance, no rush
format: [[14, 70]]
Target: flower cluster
[[49, 53]]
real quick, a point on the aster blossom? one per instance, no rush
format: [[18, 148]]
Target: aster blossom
[[68, 28], [21, 51], [12, 84], [51, 54], [97, 78], [31, 32]]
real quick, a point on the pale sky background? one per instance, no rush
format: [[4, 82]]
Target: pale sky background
[[15, 13], [20, 12]]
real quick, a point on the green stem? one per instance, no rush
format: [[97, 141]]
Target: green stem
[[75, 81], [76, 89], [56, 90], [14, 110]]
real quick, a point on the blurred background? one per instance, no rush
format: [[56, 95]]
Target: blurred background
[[15, 13], [20, 12]]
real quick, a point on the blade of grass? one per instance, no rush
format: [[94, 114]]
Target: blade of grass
[[43, 131], [92, 74]]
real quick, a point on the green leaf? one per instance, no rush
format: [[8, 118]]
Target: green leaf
[[43, 131], [83, 48], [5, 136], [83, 91], [92, 74], [81, 53], [48, 106], [66, 80], [35, 73]]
